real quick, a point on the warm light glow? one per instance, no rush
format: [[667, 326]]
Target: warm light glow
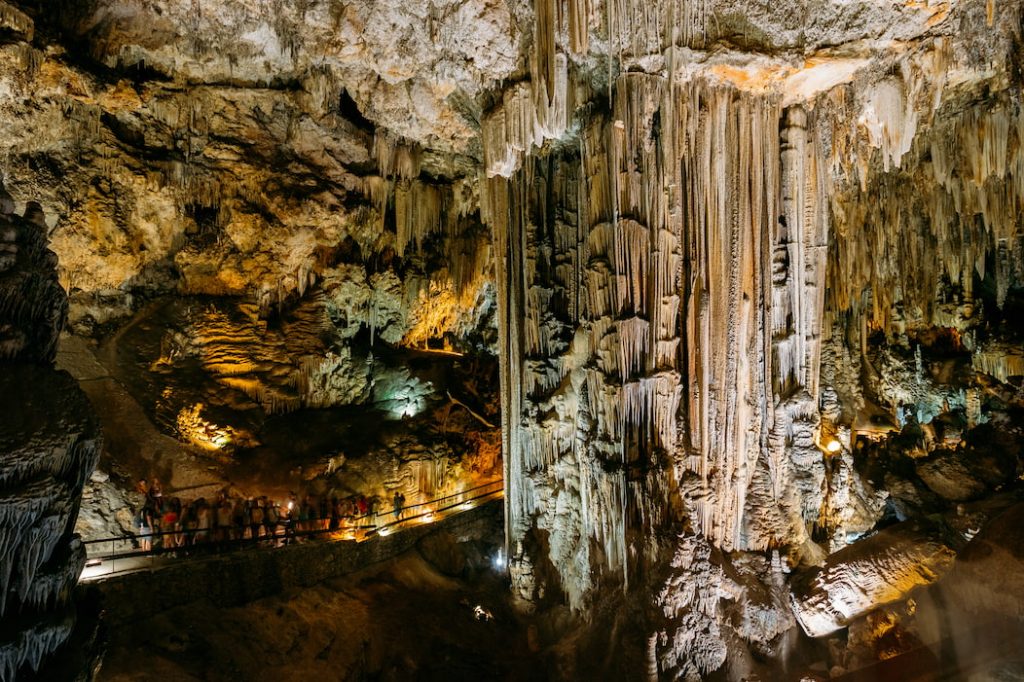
[[202, 432], [384, 531], [834, 446]]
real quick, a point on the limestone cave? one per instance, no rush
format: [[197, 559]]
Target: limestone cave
[[370, 340]]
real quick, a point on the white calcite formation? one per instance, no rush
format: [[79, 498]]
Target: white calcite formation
[[49, 444], [672, 267]]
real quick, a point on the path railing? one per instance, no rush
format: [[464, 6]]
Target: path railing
[[107, 556]]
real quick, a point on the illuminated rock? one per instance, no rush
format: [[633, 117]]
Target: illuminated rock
[[873, 572]]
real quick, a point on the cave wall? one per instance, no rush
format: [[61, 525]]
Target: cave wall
[[729, 244], [169, 157]]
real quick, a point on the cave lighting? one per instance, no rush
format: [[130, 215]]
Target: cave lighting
[[427, 518], [202, 432], [499, 560], [834, 446]]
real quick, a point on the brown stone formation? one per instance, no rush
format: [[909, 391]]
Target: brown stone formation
[[49, 444], [34, 307]]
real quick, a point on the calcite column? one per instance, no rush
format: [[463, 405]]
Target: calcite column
[[49, 444], [641, 344]]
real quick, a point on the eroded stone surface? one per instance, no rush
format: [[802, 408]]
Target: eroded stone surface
[[49, 444]]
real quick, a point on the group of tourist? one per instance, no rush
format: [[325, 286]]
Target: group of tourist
[[167, 523]]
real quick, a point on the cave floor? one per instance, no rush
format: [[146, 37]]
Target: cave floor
[[404, 620]]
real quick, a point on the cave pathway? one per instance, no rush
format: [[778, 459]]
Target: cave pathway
[[119, 555]]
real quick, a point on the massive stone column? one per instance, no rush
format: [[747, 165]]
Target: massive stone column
[[661, 289], [49, 444], [679, 248]]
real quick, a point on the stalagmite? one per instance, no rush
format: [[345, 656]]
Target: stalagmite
[[49, 440]]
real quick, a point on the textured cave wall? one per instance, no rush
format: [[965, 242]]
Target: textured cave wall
[[654, 312], [49, 444], [724, 235], [177, 149]]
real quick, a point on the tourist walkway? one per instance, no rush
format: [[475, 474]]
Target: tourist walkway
[[122, 554]]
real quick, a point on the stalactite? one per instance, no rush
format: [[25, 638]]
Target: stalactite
[[732, 168], [419, 211], [530, 114], [955, 202], [632, 255], [396, 158], [667, 254], [642, 28]]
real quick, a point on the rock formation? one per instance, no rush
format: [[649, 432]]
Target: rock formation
[[677, 272], [756, 269], [49, 444]]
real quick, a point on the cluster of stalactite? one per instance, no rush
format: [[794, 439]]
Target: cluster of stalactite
[[535, 111], [688, 272], [655, 310], [918, 233]]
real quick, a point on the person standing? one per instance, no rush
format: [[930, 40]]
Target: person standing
[[256, 518], [203, 521], [270, 520], [145, 525], [399, 502], [156, 494]]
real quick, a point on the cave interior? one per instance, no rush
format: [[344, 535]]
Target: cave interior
[[576, 339]]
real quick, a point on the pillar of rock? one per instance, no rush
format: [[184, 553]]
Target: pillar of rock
[[49, 444]]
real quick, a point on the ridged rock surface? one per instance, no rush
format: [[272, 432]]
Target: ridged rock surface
[[882, 569], [49, 444]]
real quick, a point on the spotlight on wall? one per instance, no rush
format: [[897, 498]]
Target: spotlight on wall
[[499, 561], [834, 446]]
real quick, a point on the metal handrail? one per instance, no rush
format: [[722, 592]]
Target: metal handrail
[[286, 524]]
